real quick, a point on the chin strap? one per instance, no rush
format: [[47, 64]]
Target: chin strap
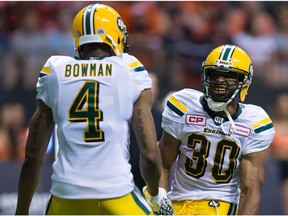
[[233, 127], [217, 106], [221, 106]]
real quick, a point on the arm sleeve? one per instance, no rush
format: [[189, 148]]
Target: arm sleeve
[[138, 75], [43, 83], [173, 118], [173, 128], [262, 134]]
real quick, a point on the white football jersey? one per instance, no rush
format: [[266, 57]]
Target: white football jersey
[[92, 104], [210, 150]]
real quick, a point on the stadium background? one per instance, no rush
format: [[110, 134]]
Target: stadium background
[[170, 38]]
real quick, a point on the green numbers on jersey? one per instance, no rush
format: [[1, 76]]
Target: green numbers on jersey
[[226, 151], [85, 108]]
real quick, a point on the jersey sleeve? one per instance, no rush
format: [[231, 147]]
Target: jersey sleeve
[[262, 133], [138, 75], [173, 117], [43, 83]]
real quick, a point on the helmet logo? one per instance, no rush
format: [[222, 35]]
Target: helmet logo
[[101, 31], [223, 63], [120, 24]]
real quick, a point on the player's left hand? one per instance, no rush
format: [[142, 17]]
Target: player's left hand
[[160, 204]]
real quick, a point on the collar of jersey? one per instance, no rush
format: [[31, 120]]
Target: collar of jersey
[[213, 114], [97, 58], [91, 58]]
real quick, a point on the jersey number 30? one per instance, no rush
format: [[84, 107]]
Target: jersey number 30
[[85, 108], [224, 161]]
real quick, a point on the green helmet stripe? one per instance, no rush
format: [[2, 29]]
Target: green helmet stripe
[[87, 25], [227, 52], [88, 19], [93, 20]]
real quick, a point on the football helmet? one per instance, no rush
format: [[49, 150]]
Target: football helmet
[[226, 59], [100, 23]]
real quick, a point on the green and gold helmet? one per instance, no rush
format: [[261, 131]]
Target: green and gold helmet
[[100, 23], [228, 59]]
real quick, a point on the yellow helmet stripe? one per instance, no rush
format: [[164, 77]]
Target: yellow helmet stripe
[[176, 106]]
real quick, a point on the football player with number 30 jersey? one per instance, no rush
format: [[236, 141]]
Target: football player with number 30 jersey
[[92, 99], [213, 146]]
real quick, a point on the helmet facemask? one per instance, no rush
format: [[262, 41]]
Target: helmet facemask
[[221, 90], [125, 42], [221, 86], [226, 76]]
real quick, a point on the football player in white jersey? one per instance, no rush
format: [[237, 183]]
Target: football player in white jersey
[[92, 100], [215, 143]]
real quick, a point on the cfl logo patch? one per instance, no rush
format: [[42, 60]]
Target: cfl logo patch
[[219, 120], [100, 31], [196, 120]]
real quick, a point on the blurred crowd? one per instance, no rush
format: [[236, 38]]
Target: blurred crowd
[[170, 38]]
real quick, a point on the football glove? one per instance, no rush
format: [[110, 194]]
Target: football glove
[[160, 204]]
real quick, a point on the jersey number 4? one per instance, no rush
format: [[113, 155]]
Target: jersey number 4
[[224, 161], [85, 108]]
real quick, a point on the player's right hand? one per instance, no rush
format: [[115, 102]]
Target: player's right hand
[[160, 204]]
